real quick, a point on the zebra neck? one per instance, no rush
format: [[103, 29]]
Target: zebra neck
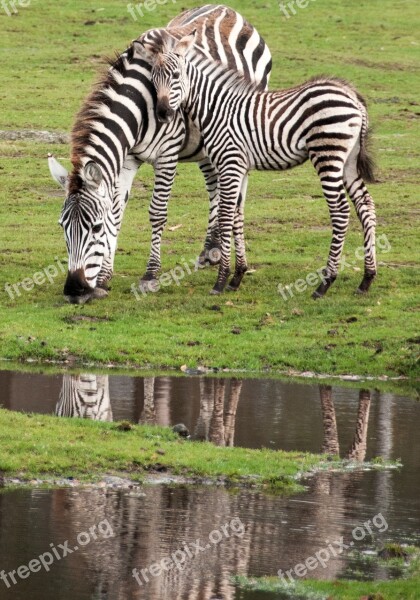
[[114, 118], [216, 96]]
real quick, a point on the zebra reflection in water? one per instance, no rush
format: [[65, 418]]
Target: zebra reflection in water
[[215, 423], [85, 396], [357, 450]]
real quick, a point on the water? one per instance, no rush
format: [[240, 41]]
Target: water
[[150, 526]]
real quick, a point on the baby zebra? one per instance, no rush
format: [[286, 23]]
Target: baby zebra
[[323, 119]]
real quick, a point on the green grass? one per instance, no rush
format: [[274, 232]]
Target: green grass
[[405, 588], [400, 589], [38, 446], [287, 224]]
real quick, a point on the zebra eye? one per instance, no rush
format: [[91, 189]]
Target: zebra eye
[[176, 75], [97, 228]]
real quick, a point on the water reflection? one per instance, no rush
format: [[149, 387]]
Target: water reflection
[[217, 419], [252, 413], [85, 396], [280, 532], [357, 450], [88, 396]]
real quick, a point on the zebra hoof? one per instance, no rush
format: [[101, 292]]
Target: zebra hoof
[[79, 299], [366, 283], [215, 292], [148, 285], [323, 287]]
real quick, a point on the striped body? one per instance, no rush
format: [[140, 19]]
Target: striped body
[[243, 128], [116, 131]]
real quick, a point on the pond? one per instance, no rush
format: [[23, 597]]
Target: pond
[[220, 532]]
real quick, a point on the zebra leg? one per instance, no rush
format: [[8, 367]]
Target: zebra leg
[[122, 191], [335, 195], [211, 251], [158, 215], [230, 185], [241, 266], [365, 210], [105, 274]]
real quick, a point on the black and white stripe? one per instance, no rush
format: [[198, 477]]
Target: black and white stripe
[[244, 128], [116, 131]]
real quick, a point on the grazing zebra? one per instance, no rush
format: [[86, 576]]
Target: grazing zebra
[[243, 128], [86, 397], [116, 131]]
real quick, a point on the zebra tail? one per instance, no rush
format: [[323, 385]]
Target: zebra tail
[[365, 162]]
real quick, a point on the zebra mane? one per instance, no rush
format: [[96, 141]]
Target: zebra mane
[[83, 127], [233, 79]]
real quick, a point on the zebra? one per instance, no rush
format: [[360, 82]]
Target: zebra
[[116, 131], [324, 119], [85, 396]]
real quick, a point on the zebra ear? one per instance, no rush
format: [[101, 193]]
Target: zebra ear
[[185, 43], [144, 50], [58, 172], [92, 175]]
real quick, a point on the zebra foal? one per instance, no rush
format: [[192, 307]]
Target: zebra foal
[[243, 128]]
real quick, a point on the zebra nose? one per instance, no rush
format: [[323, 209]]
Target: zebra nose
[[164, 112], [76, 286]]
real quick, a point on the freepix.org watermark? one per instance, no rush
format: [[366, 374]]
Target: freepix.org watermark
[[179, 558], [175, 275], [39, 278], [57, 552], [333, 549], [289, 8], [10, 7], [138, 10], [316, 277]]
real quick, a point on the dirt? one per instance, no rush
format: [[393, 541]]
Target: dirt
[[78, 318], [49, 137]]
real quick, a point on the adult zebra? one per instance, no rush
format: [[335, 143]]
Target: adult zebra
[[116, 131], [324, 119]]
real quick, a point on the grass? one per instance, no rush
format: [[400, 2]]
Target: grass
[[36, 446], [405, 588], [287, 223]]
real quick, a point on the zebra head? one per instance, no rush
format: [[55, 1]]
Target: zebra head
[[168, 72], [86, 222]]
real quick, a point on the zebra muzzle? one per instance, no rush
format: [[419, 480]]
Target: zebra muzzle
[[76, 289], [164, 112]]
